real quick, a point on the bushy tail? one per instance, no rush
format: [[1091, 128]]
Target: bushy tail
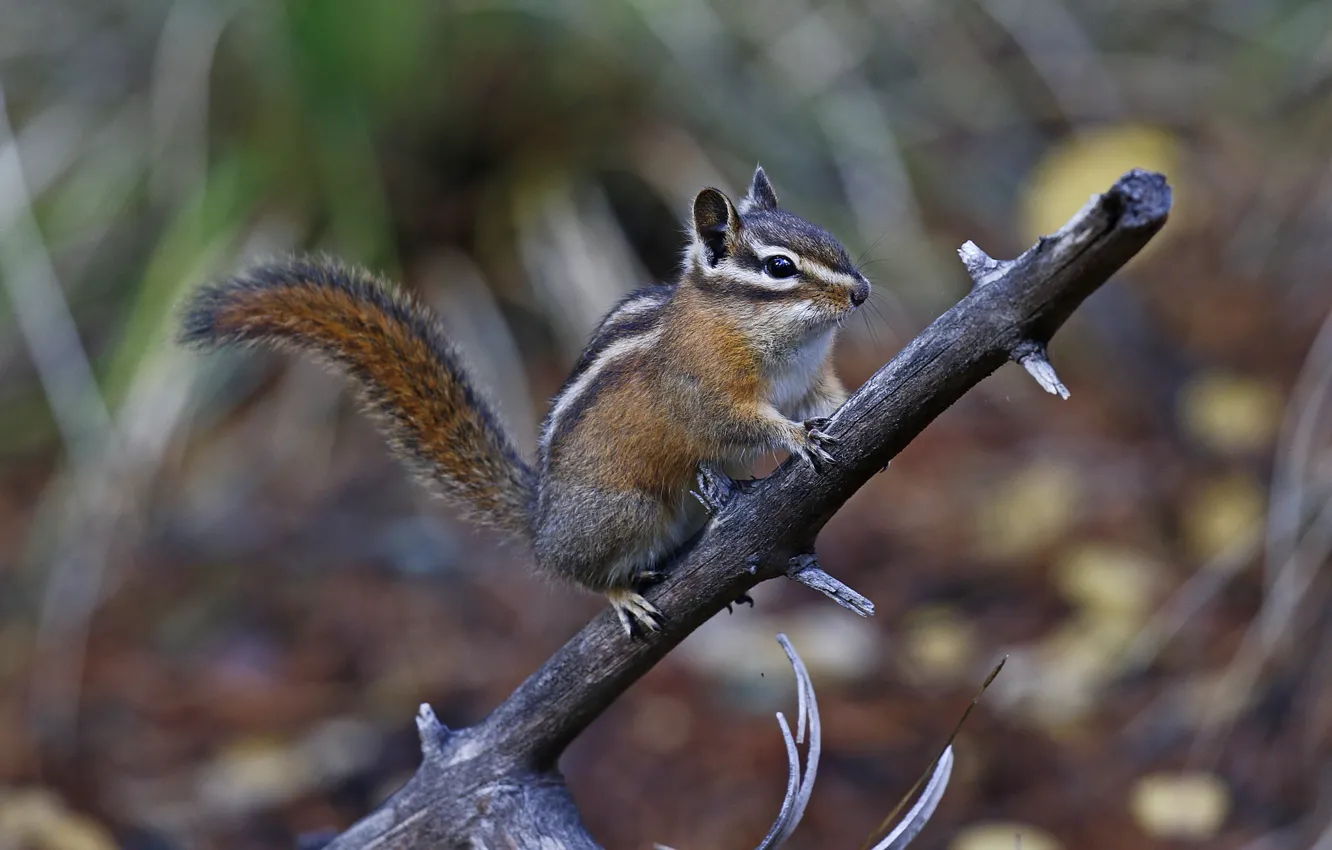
[[406, 373]]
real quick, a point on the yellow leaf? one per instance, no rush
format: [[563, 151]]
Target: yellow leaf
[[1108, 579], [1222, 513], [37, 818], [1031, 509], [1190, 806], [1231, 414], [1088, 163], [1001, 835]]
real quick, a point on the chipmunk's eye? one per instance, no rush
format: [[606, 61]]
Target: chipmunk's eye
[[779, 266]]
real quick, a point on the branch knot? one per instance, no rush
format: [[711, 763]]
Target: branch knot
[[433, 733], [983, 268]]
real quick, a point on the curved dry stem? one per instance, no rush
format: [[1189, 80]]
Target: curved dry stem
[[921, 813], [798, 789], [778, 832]]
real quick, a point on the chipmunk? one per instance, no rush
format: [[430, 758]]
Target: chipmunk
[[679, 383]]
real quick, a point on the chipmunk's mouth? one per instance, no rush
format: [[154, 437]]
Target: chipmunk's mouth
[[816, 326], [851, 308], [814, 318]]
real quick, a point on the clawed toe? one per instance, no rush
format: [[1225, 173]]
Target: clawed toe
[[815, 428], [638, 616], [816, 457], [812, 452], [823, 439], [742, 599]]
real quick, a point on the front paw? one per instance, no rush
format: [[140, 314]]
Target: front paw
[[811, 449]]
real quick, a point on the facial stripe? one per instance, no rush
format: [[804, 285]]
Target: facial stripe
[[739, 289], [739, 273], [763, 252], [804, 263], [829, 275], [573, 395], [809, 269]]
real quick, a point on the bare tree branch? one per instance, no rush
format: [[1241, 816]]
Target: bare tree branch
[[496, 784]]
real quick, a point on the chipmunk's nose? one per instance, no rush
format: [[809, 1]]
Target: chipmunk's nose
[[859, 293]]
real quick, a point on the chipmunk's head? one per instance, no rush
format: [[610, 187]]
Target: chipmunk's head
[[772, 269]]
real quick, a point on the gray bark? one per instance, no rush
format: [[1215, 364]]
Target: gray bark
[[497, 784]]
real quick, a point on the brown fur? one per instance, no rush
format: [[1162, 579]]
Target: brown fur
[[405, 372]]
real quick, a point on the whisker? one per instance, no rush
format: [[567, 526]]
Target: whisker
[[874, 337], [862, 266], [871, 247]]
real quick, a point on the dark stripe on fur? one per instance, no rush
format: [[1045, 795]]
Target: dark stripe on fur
[[614, 327], [609, 377]]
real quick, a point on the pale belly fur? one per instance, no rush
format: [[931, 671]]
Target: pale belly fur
[[787, 383]]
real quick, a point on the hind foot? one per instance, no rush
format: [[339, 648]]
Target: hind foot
[[638, 616]]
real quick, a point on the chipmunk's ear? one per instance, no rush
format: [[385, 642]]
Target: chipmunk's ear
[[716, 224], [761, 196]]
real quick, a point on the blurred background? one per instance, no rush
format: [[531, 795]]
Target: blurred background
[[221, 601]]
